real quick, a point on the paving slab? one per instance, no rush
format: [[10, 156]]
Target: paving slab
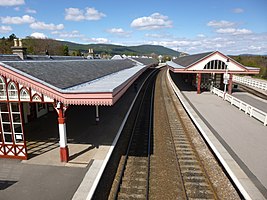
[[244, 137]]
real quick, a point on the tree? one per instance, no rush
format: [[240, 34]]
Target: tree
[[65, 50], [12, 37]]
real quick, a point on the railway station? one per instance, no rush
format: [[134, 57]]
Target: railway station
[[207, 70], [32, 86], [46, 100]]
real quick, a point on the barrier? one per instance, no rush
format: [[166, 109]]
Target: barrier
[[251, 82], [241, 105]]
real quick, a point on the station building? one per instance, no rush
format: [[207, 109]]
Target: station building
[[206, 70], [31, 86]]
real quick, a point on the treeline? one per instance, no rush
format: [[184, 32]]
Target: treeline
[[254, 61], [34, 46]]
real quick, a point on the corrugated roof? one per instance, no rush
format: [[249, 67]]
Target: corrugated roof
[[66, 74], [186, 61]]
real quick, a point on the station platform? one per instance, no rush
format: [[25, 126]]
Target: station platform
[[43, 176], [243, 137]]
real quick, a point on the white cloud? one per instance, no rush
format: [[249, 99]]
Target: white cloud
[[229, 44], [220, 24], [238, 10], [39, 35], [11, 2], [17, 20], [201, 35], [72, 34], [28, 10], [118, 31], [17, 8], [93, 14], [233, 31], [44, 26], [154, 21], [96, 40], [75, 14], [5, 29]]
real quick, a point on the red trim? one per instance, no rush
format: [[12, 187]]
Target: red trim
[[206, 71], [230, 84], [212, 54], [64, 154], [100, 98], [14, 157], [198, 83]]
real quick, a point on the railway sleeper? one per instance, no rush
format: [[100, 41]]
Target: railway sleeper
[[136, 174], [187, 157], [197, 184], [200, 192], [194, 178], [131, 196], [134, 180], [192, 173]]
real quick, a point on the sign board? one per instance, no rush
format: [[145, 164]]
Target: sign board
[[225, 81], [226, 76]]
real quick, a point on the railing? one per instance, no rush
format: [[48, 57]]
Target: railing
[[251, 82], [241, 105]]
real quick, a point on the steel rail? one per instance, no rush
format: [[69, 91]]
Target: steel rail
[[117, 190]]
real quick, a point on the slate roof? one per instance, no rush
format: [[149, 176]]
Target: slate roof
[[66, 74], [5, 57], [44, 57], [186, 61]]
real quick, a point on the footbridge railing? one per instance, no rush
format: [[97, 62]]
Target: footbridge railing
[[241, 105], [251, 82]]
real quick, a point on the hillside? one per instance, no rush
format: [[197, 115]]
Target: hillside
[[254, 61], [55, 47], [118, 49]]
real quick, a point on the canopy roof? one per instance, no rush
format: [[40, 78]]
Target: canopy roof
[[198, 63], [92, 82]]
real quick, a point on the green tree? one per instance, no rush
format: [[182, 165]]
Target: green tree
[[65, 50], [12, 37]]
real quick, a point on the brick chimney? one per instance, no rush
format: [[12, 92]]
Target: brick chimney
[[18, 49]]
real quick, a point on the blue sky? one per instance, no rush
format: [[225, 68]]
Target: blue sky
[[192, 26]]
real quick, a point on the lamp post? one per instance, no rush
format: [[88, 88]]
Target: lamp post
[[225, 78]]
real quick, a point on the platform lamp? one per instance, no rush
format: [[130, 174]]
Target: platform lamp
[[225, 77]]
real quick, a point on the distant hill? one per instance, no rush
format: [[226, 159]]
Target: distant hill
[[258, 61], [119, 49]]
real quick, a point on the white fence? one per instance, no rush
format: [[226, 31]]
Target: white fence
[[248, 109], [251, 82]]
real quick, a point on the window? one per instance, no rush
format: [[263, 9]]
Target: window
[[215, 64], [2, 88], [12, 91], [24, 95], [36, 97]]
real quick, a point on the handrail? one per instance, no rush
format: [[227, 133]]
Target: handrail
[[241, 105], [251, 82]]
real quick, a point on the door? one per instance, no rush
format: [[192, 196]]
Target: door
[[12, 136]]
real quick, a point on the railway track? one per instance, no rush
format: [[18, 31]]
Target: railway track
[[134, 176], [193, 176], [250, 90], [160, 154]]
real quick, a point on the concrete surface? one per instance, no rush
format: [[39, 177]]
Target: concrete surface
[[256, 102], [244, 138]]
